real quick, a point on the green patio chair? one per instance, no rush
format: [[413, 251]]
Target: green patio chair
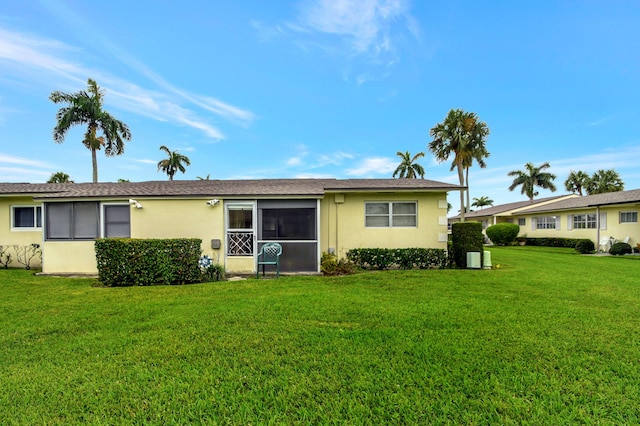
[[269, 255]]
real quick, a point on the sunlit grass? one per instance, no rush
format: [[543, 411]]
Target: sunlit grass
[[549, 338]]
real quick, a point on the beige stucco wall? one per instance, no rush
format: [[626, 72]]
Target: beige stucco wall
[[613, 226], [158, 218], [343, 223], [342, 227], [9, 237]]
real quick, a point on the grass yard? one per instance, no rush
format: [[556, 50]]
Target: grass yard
[[550, 337]]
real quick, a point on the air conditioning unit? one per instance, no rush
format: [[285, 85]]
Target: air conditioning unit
[[486, 263], [473, 260]]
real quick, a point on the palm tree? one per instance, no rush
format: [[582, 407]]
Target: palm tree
[[482, 202], [604, 181], [408, 167], [204, 178], [530, 178], [59, 177], [462, 135], [175, 162], [576, 182], [85, 108]]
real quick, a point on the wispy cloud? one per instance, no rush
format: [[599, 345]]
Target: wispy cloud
[[371, 31], [38, 59], [373, 166], [14, 169], [365, 25]]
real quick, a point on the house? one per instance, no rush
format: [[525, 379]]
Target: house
[[232, 217], [609, 216], [505, 212]]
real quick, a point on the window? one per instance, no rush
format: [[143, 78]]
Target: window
[[391, 214], [117, 221], [546, 222], [240, 230], [522, 221], [26, 218], [72, 221], [628, 217], [289, 224], [584, 221]]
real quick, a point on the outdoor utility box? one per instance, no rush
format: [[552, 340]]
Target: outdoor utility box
[[473, 260], [486, 263], [215, 244]]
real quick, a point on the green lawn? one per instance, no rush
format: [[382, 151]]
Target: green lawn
[[550, 337]]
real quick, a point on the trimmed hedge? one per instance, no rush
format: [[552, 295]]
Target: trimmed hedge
[[466, 237], [128, 262], [406, 258], [620, 248], [553, 242], [585, 246], [503, 234]]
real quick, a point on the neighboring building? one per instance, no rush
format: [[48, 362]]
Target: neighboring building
[[601, 218], [612, 216], [505, 212], [232, 217]]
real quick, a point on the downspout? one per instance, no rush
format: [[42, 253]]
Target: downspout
[[598, 226]]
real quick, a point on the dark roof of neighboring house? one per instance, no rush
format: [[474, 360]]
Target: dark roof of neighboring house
[[609, 198], [494, 210], [221, 188]]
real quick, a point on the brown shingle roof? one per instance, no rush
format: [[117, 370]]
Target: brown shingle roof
[[502, 208], [220, 188], [610, 198]]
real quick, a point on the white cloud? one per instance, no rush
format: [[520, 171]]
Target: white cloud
[[364, 23], [374, 166], [35, 59], [11, 159]]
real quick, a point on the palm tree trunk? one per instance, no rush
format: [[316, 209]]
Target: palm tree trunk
[[94, 162], [466, 179], [461, 179]]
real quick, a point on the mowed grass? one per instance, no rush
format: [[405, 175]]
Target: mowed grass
[[550, 337]]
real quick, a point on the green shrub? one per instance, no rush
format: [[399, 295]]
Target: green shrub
[[553, 242], [404, 258], [210, 271], [331, 265], [620, 249], [466, 237], [502, 234], [127, 262], [585, 246]]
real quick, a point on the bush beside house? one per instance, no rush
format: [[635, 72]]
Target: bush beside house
[[502, 234]]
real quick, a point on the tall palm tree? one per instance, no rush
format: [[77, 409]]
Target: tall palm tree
[[604, 181], [531, 178], [478, 132], [174, 163], [59, 177], [85, 108], [482, 202], [462, 135], [576, 182], [408, 167]]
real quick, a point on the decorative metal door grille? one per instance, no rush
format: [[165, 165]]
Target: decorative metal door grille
[[240, 243]]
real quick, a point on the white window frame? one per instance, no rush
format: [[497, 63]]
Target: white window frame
[[584, 221], [522, 221], [103, 224], [390, 215], [626, 213], [546, 222], [241, 205], [35, 208]]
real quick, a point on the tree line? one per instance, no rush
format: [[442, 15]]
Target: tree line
[[461, 137], [85, 107]]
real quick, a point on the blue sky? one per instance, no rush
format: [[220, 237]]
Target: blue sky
[[312, 88]]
